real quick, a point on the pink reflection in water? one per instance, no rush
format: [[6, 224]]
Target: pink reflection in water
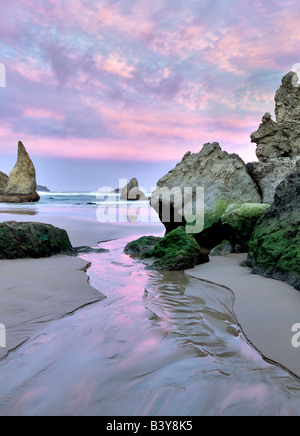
[[160, 352]]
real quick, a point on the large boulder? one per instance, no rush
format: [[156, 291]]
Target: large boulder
[[223, 176], [32, 240], [21, 186], [177, 251], [274, 249]]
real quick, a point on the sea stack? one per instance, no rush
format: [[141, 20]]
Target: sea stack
[[132, 192], [278, 142], [21, 185]]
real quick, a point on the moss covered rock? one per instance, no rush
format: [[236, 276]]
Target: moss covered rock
[[141, 245], [177, 251], [235, 225], [274, 249], [32, 240], [239, 220]]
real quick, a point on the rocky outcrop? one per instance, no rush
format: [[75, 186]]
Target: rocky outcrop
[[132, 192], [177, 251], [271, 140], [281, 138], [3, 182], [274, 249], [32, 240], [226, 179], [287, 111], [41, 188], [21, 186], [223, 176], [270, 173], [278, 142]]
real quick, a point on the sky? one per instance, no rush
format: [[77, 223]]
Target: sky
[[99, 90]]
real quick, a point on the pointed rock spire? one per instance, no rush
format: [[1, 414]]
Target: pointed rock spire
[[21, 186]]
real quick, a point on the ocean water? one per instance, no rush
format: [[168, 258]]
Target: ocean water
[[95, 206], [160, 344]]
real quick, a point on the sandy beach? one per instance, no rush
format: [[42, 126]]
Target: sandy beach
[[265, 308], [115, 336], [37, 291]]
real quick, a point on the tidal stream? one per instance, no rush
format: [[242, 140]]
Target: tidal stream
[[160, 344]]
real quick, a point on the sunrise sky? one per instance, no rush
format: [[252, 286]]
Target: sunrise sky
[[102, 89]]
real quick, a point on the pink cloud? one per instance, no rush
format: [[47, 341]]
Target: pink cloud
[[30, 68], [143, 82], [40, 113], [115, 64]]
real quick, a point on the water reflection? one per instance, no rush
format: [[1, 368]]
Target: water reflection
[[159, 344]]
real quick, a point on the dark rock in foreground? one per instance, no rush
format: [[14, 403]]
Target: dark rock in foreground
[[177, 251], [32, 240], [142, 245], [274, 249]]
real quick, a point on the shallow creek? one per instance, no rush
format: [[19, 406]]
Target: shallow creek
[[159, 344]]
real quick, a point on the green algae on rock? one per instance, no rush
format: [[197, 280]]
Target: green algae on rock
[[32, 240], [141, 245], [239, 221], [235, 226], [177, 251], [274, 249]]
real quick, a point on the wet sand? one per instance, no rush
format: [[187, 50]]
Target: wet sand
[[158, 345], [37, 291], [265, 308]]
